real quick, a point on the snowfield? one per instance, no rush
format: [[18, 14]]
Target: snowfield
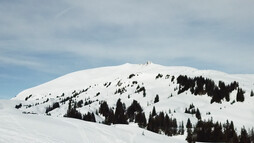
[[16, 127], [110, 84]]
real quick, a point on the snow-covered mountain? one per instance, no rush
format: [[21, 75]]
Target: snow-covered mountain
[[128, 82]]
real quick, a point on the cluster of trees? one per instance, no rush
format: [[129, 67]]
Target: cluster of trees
[[131, 75], [134, 113], [18, 106], [89, 117], [192, 110], [158, 123], [28, 97], [159, 76], [141, 89], [72, 112], [50, 108], [80, 104], [107, 84], [74, 95], [240, 95], [162, 123], [120, 91], [207, 131], [201, 86], [62, 101]]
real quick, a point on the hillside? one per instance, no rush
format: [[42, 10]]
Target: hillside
[[213, 93], [16, 127]]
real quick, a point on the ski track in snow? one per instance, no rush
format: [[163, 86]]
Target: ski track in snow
[[80, 130]]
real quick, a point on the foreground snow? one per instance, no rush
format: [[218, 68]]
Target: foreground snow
[[16, 127]]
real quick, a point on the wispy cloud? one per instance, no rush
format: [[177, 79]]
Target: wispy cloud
[[18, 62], [133, 31], [64, 11]]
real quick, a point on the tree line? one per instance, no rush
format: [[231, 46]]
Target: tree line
[[208, 131], [201, 86]]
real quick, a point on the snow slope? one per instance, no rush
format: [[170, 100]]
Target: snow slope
[[101, 84], [16, 127], [85, 78]]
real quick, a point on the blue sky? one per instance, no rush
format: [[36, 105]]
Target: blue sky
[[42, 40]]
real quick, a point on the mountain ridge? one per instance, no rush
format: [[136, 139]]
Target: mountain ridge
[[84, 74]]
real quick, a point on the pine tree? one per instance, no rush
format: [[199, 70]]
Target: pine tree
[[151, 125], [188, 125], [186, 111], [229, 132], [119, 113], [154, 112], [141, 120], [181, 129], [251, 93], [72, 112], [240, 95], [244, 136], [198, 115], [110, 118], [216, 95], [133, 109], [104, 109], [174, 127], [251, 135], [217, 134], [166, 127], [89, 117], [156, 99], [189, 137], [235, 138]]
